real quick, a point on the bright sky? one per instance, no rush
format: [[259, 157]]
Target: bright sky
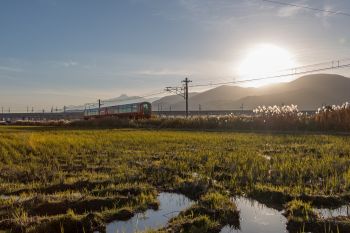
[[62, 52]]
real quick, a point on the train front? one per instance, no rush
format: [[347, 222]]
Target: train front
[[146, 109]]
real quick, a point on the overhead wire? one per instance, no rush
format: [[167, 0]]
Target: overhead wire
[[95, 104], [308, 7], [337, 66], [334, 65]]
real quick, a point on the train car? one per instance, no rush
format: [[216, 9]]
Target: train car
[[132, 111]]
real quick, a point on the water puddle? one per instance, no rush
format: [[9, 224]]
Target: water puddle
[[170, 206], [257, 218], [6, 197], [328, 213]]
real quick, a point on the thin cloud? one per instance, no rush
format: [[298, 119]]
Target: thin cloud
[[342, 40], [325, 16], [161, 72], [289, 11], [68, 63], [293, 10], [216, 14], [9, 69]]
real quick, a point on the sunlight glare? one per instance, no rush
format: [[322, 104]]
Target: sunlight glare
[[264, 61]]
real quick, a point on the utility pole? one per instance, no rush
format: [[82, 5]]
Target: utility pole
[[27, 109], [186, 81], [181, 91], [99, 107]]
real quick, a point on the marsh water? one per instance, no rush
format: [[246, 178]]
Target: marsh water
[[328, 213], [254, 216], [257, 218], [170, 206]]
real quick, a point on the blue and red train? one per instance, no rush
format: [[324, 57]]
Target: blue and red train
[[132, 111]]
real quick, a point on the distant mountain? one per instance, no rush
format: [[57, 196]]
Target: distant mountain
[[308, 92], [168, 101], [124, 99]]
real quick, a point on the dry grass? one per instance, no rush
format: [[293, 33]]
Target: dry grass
[[108, 171]]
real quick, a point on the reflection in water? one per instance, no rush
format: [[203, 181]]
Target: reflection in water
[[328, 213], [254, 216], [170, 206], [257, 218], [5, 197]]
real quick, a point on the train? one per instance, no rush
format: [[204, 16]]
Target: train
[[141, 110]]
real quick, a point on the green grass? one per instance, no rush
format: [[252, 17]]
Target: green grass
[[99, 165], [300, 211]]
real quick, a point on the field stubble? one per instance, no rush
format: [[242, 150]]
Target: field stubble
[[77, 180]]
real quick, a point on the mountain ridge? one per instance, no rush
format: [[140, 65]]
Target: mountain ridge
[[308, 92]]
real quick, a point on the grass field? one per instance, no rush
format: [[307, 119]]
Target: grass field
[[51, 178]]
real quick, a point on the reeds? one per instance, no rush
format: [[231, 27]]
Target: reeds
[[335, 117]]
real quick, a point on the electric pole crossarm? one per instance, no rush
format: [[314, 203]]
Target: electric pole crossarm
[[176, 90], [181, 91]]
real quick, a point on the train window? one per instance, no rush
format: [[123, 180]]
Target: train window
[[134, 108], [125, 108], [112, 110], [146, 108]]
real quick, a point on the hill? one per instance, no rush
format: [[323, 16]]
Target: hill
[[172, 100], [308, 92]]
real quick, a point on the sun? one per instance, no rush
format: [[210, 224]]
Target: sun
[[264, 61]]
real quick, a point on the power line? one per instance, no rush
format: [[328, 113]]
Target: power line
[[102, 102], [181, 91], [308, 7], [335, 65], [186, 82]]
